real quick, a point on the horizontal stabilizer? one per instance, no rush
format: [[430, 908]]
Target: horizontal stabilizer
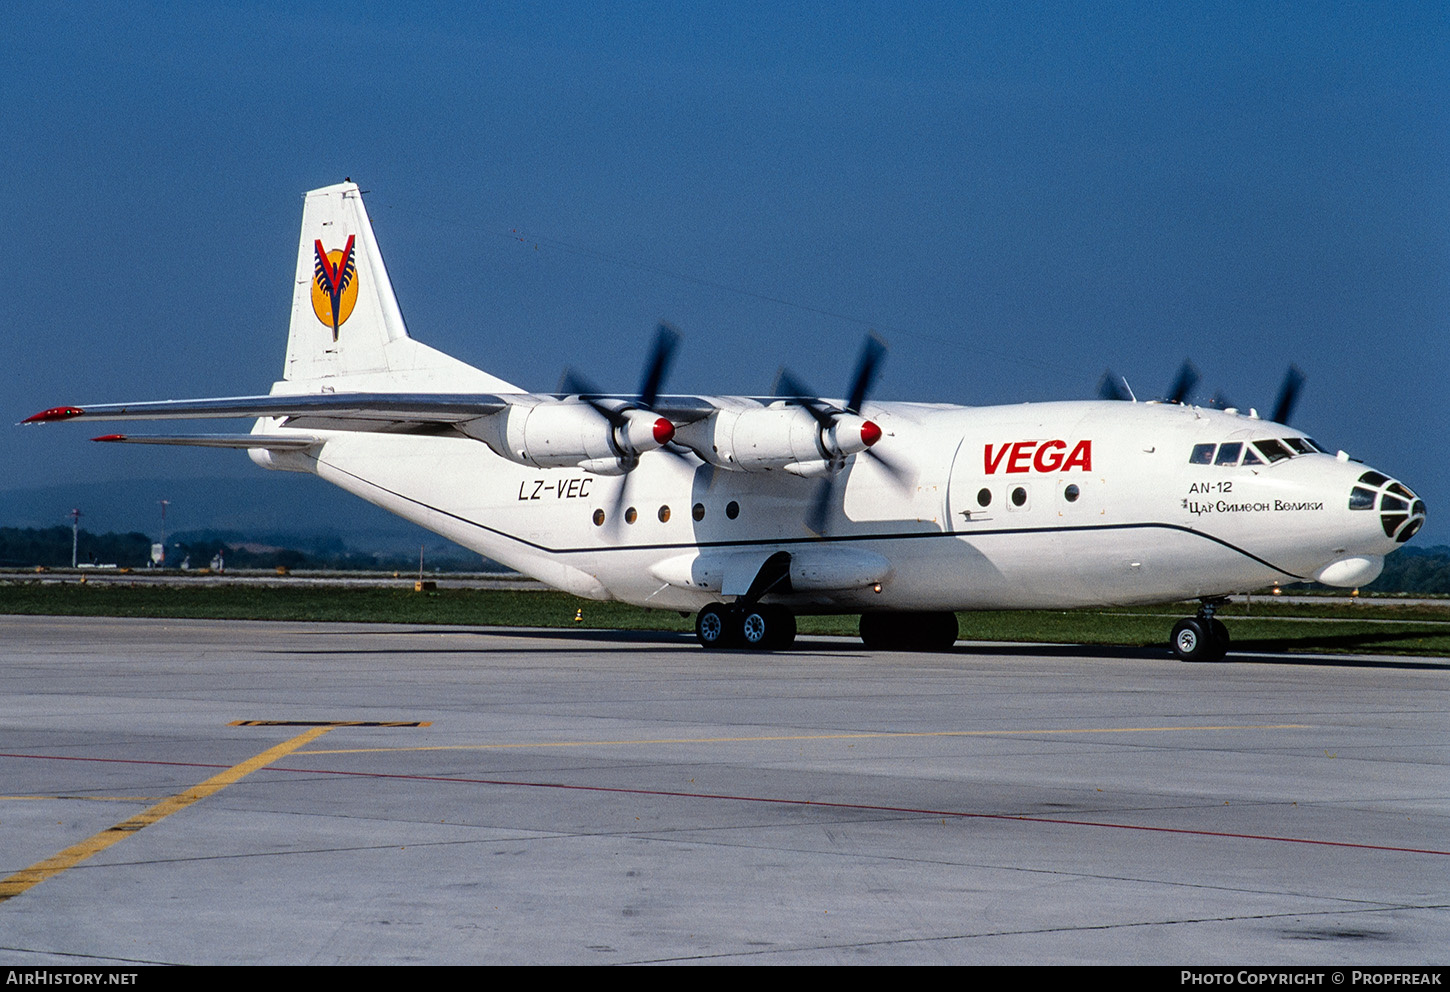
[[269, 442], [389, 407]]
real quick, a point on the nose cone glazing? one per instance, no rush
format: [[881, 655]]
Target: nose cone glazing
[[1402, 513]]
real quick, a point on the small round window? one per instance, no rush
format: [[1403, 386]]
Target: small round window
[[598, 518], [1019, 496], [698, 512], [630, 516], [984, 497], [1071, 493], [664, 514], [732, 509]]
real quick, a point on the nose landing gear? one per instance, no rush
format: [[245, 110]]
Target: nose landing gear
[[1202, 637]]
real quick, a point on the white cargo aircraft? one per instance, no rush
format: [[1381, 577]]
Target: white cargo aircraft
[[749, 511]]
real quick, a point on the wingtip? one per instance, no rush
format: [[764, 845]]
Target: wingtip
[[110, 437], [54, 413]]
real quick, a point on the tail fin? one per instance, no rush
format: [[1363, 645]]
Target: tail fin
[[345, 318]]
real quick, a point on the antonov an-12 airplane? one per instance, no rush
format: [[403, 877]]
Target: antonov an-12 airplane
[[749, 511]]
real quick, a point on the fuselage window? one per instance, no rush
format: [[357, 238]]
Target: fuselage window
[[1228, 454], [1071, 493], [1202, 454], [598, 518], [698, 512], [630, 516], [732, 509], [984, 497], [1274, 451], [664, 514], [1019, 497]]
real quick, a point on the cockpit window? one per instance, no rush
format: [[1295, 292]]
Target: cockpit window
[[1373, 479], [1300, 446], [1400, 490], [1361, 499], [1274, 451], [1228, 454], [1202, 454], [1250, 458], [1316, 446]]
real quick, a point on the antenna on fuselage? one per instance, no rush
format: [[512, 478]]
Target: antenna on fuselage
[[1109, 389]]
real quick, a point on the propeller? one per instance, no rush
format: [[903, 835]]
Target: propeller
[[1283, 406], [1288, 395], [1110, 387], [1183, 383], [667, 339], [832, 419], [626, 418]]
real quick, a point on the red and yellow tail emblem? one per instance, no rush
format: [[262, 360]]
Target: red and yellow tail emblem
[[334, 284]]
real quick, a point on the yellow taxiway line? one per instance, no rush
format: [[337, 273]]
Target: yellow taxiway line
[[28, 878]]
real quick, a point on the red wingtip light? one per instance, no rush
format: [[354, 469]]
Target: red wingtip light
[[870, 433], [110, 437], [664, 431], [54, 413]]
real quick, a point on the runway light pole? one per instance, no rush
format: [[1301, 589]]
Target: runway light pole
[[75, 533], [164, 504]]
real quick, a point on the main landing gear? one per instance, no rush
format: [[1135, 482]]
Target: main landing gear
[[760, 628], [1202, 637], [909, 631]]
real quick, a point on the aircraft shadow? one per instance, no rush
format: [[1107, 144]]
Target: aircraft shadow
[[1272, 651]]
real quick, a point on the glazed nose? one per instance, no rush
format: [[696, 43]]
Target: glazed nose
[[1402, 513]]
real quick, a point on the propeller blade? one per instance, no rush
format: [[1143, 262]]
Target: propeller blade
[[821, 505], [573, 382], [1288, 395], [1110, 387], [872, 352], [897, 469], [789, 386], [666, 340], [1182, 387]]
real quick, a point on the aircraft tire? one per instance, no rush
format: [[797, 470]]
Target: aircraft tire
[[1195, 640], [716, 627], [767, 628], [909, 631], [784, 637], [1220, 638]]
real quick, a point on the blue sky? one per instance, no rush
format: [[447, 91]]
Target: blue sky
[[1015, 196]]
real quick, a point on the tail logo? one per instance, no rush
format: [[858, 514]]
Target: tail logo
[[334, 284]]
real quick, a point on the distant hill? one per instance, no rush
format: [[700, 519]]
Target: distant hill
[[271, 503], [1419, 570]]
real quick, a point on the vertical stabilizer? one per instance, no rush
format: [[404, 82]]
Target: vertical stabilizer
[[345, 319]]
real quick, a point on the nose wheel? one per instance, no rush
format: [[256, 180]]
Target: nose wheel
[[1200, 638]]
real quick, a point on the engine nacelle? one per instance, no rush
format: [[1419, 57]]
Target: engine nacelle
[[781, 436], [571, 434]]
